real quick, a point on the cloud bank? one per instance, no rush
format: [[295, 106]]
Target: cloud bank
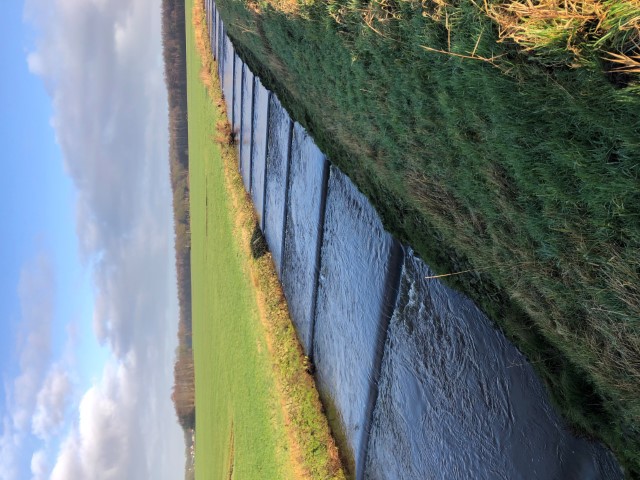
[[39, 466], [111, 440], [36, 291], [51, 403], [101, 63]]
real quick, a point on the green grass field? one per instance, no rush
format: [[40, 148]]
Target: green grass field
[[237, 414], [517, 164]]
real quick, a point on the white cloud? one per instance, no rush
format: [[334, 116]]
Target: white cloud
[[101, 61], [36, 292], [34, 62], [68, 465], [102, 64], [52, 402], [10, 444], [39, 465], [117, 434], [25, 393]]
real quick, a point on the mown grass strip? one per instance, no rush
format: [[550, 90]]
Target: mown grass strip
[[310, 450]]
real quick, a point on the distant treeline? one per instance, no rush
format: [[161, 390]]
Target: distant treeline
[[174, 47]]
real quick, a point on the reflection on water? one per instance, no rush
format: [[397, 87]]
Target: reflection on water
[[279, 129], [259, 146], [221, 37], [357, 266], [457, 400], [237, 86], [307, 177], [214, 33], [246, 132], [219, 41], [227, 80]]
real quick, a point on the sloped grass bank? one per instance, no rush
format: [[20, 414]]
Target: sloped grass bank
[[517, 166], [258, 414]]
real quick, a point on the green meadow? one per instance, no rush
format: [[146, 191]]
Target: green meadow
[[501, 140]]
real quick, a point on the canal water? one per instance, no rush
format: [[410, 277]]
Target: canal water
[[237, 84], [246, 94], [457, 400], [228, 68], [416, 380], [259, 146], [308, 172], [351, 323], [279, 131]]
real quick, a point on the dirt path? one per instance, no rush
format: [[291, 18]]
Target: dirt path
[[232, 454]]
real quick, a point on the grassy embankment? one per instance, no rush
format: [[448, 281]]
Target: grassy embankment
[[500, 139], [258, 414]]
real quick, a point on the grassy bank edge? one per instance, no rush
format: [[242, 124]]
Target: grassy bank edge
[[314, 452]]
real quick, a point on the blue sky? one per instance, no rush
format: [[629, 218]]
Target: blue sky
[[37, 200], [86, 245]]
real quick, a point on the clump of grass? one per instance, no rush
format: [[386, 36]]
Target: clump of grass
[[572, 31], [259, 247], [599, 34], [224, 134], [287, 7]]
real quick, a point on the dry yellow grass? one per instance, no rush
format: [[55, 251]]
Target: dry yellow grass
[[575, 25], [624, 63], [289, 7]]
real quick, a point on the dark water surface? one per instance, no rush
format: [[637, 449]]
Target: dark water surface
[[353, 309], [307, 176], [279, 129], [457, 400], [238, 66], [259, 146], [246, 129]]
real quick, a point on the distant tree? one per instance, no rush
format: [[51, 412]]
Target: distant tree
[[174, 48], [175, 60], [184, 393], [174, 51]]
